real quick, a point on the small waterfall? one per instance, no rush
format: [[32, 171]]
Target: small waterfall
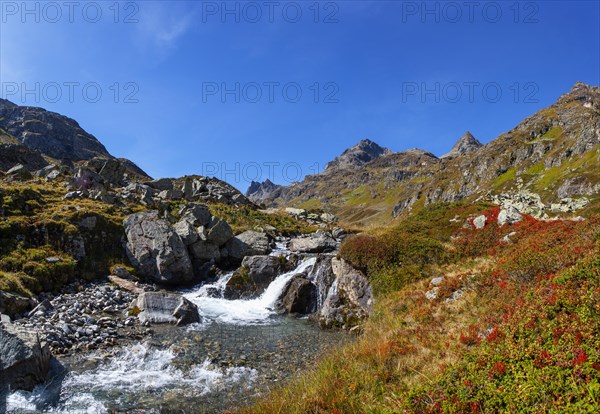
[[245, 312]]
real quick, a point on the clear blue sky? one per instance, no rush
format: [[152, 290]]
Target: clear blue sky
[[370, 62]]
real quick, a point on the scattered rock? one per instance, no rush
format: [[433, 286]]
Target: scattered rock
[[479, 221], [248, 243], [165, 307], [509, 215]]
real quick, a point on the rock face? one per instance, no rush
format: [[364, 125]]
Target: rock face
[[24, 358], [465, 145], [318, 242], [165, 307], [157, 250], [13, 154], [509, 215], [349, 299]]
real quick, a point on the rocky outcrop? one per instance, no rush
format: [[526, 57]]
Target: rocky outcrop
[[165, 307], [50, 133], [157, 250], [317, 242], [14, 154], [24, 358], [349, 299]]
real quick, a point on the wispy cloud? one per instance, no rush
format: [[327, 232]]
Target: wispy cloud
[[162, 24]]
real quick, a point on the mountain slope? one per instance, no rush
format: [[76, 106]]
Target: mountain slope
[[553, 153]]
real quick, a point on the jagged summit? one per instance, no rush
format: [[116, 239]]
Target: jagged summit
[[257, 192], [466, 144], [358, 155]]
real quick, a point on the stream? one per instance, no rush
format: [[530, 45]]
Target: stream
[[241, 350]]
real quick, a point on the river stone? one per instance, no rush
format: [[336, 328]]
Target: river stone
[[248, 243], [156, 249], [317, 242], [165, 307], [24, 357], [300, 296]]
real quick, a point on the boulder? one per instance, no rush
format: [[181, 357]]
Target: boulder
[[196, 214], [125, 284], [256, 274], [156, 249], [479, 221], [328, 218], [165, 307], [161, 184], [509, 215], [248, 243], [219, 232], [317, 242], [298, 212], [24, 357], [186, 231], [19, 172], [349, 299], [204, 251], [13, 305], [300, 296]]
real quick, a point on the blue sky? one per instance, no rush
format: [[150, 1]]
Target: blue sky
[[302, 80]]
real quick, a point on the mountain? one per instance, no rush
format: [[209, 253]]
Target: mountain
[[35, 137], [466, 144], [552, 154], [257, 192], [357, 156]]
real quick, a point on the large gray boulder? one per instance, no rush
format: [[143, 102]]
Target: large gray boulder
[[300, 296], [219, 232], [509, 215], [248, 243], [196, 214], [156, 249], [204, 251], [13, 305], [349, 299], [24, 358], [186, 231], [317, 242], [165, 307]]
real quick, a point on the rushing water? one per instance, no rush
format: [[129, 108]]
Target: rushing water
[[241, 350]]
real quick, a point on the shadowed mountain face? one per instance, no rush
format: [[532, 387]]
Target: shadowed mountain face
[[553, 153], [50, 133], [35, 137]]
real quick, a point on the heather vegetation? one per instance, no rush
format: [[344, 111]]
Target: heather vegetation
[[510, 322]]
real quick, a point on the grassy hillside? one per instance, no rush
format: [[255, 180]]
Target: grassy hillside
[[514, 325]]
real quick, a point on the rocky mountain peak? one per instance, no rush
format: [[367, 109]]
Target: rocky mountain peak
[[358, 155], [5, 104], [466, 144], [258, 192]]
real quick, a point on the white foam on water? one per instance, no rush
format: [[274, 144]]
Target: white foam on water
[[132, 370], [245, 312]]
